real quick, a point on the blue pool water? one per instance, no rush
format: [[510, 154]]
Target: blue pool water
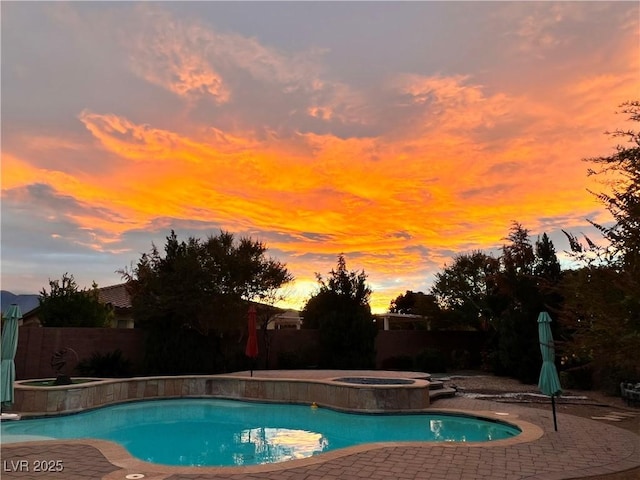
[[212, 432]]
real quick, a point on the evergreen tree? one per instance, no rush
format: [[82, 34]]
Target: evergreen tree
[[340, 311], [519, 352]]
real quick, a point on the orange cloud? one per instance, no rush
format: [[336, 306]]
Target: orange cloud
[[444, 193]]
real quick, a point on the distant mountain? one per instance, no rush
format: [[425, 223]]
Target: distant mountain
[[25, 302]]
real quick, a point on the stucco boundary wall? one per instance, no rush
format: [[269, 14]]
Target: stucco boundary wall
[[37, 345], [37, 401]]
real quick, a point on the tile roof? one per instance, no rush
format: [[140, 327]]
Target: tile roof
[[116, 295]]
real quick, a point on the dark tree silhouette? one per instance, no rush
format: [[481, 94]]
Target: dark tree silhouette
[[340, 310]]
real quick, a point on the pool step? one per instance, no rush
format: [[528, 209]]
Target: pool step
[[438, 390]]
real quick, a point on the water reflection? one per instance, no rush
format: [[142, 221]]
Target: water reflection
[[461, 429], [272, 445]]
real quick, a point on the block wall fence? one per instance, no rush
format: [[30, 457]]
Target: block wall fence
[[37, 345]]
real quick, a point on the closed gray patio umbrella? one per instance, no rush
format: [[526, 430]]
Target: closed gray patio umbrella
[[9, 347], [549, 383]]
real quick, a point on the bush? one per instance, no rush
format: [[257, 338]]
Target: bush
[[579, 378], [293, 360], [198, 354], [431, 360], [398, 362], [108, 365], [608, 379], [461, 359]]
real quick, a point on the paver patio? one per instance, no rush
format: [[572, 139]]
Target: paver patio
[[580, 448]]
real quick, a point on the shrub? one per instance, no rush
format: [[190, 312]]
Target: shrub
[[431, 360], [293, 360], [198, 354], [579, 378], [461, 359], [109, 365], [398, 362], [608, 379]]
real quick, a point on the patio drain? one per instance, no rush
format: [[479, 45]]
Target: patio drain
[[134, 476]]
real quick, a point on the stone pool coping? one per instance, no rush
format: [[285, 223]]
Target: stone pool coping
[[325, 391], [120, 457]]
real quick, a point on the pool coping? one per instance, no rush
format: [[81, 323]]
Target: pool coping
[[120, 457]]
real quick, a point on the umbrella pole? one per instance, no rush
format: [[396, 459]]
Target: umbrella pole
[[553, 407]]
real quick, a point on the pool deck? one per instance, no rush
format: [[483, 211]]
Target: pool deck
[[580, 448]]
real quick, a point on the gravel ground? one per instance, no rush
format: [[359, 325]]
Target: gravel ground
[[581, 403]]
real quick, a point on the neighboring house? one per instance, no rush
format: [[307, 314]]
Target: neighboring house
[[401, 321], [286, 319], [118, 298], [30, 318], [115, 295], [27, 303], [120, 301], [386, 321]]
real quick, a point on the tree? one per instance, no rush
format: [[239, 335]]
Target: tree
[[199, 289], [68, 306], [504, 297], [548, 275], [518, 257], [623, 202], [419, 303], [414, 303], [404, 304], [603, 297], [466, 290], [340, 311], [518, 347], [546, 264], [528, 284]]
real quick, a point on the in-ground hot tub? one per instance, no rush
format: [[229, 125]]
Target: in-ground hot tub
[[374, 381]]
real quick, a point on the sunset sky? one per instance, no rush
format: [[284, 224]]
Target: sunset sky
[[399, 134]]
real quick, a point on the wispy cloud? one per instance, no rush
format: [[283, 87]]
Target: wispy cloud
[[194, 60]]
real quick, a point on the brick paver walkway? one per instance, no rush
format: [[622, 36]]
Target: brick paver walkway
[[78, 462], [581, 448]]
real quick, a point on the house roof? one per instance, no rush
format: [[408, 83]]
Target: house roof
[[27, 303], [116, 295]]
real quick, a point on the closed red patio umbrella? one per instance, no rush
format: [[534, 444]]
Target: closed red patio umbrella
[[251, 349]]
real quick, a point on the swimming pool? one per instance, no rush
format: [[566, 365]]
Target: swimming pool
[[213, 432]]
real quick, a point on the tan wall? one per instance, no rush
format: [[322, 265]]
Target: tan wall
[[36, 346], [303, 342], [392, 343], [389, 343]]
